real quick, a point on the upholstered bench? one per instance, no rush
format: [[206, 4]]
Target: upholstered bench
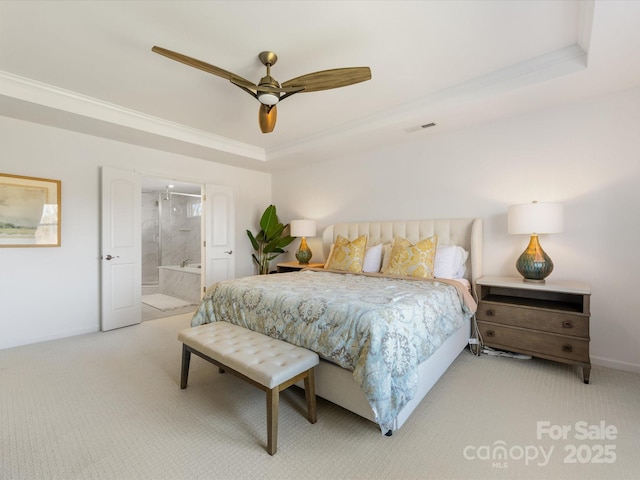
[[269, 364]]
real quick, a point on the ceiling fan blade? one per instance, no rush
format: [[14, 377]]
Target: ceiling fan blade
[[267, 116], [327, 79], [269, 90], [193, 62], [263, 88]]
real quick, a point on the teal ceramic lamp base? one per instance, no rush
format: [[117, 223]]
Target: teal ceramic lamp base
[[534, 264], [304, 253]]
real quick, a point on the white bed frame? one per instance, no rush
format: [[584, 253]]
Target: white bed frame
[[337, 384]]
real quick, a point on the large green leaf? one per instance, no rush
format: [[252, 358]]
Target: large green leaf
[[254, 242], [276, 232], [271, 246], [269, 221], [284, 241], [277, 243]]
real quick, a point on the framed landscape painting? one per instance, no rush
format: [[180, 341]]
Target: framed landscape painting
[[29, 211]]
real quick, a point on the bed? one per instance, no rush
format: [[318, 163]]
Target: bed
[[314, 309]]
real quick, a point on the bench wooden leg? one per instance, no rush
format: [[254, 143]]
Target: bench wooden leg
[[273, 402], [186, 360], [273, 394], [310, 395]]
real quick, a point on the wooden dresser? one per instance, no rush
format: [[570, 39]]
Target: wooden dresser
[[547, 320]]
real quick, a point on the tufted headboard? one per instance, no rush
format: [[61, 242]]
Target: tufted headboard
[[464, 232]]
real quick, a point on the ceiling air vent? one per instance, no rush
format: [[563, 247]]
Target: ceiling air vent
[[420, 127]]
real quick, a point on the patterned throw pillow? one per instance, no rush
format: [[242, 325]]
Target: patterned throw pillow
[[410, 260], [347, 256]]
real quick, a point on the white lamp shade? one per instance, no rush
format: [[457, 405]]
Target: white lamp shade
[[303, 228], [535, 218]]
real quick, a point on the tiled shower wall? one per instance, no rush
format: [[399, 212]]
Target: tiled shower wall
[[170, 233], [150, 238]]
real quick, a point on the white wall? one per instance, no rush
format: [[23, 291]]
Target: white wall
[[48, 293], [585, 155]]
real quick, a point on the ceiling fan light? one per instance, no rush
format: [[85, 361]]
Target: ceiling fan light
[[267, 98]]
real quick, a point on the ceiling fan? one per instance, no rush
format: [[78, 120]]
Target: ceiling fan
[[268, 91]]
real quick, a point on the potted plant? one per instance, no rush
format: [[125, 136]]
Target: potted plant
[[270, 240]]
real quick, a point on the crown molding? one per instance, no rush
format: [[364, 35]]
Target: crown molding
[[32, 91]]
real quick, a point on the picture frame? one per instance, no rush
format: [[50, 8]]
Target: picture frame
[[30, 211]]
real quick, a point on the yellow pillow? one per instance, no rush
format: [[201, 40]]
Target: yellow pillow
[[347, 256], [410, 260]]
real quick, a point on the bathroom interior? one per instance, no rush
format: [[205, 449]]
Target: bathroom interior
[[171, 247]]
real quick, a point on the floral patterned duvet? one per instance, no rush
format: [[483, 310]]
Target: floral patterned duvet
[[380, 328]]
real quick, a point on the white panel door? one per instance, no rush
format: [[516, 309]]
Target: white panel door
[[121, 256], [219, 234]]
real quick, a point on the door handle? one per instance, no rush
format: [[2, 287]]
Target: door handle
[[229, 252], [109, 257]]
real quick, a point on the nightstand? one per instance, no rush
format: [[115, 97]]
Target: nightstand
[[295, 266], [547, 320]]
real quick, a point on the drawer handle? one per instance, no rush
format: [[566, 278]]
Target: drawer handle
[[567, 324], [490, 333], [567, 348], [491, 313]]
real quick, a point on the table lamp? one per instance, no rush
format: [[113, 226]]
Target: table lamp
[[303, 228], [534, 219]]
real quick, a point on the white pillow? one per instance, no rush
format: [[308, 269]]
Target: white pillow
[[462, 268], [450, 262], [444, 262], [372, 259]]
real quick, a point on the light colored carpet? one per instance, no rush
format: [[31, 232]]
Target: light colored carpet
[[164, 302], [108, 405]]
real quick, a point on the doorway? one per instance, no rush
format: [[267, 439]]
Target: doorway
[[120, 243], [171, 240]]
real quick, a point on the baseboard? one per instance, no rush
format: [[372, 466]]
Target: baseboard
[[615, 364], [47, 338]]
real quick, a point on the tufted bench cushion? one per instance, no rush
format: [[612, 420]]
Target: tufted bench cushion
[[265, 362]]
